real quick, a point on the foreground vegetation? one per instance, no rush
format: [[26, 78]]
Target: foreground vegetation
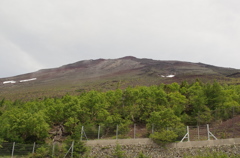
[[167, 106]]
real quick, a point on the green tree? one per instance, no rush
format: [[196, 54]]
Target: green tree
[[97, 105], [174, 87], [54, 111], [166, 125], [177, 102], [214, 95], [197, 107], [164, 119], [21, 126], [151, 99]]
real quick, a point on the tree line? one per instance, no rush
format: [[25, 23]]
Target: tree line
[[167, 106]]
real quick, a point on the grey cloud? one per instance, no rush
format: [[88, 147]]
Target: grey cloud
[[53, 33]]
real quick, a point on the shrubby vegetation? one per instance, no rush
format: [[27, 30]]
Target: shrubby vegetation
[[167, 106]]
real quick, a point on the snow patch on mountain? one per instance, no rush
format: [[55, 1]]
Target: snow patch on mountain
[[27, 80], [169, 76], [6, 82]]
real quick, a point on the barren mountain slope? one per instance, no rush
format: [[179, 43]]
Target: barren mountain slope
[[105, 74]]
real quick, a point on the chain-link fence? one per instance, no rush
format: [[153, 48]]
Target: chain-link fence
[[11, 149], [54, 149], [189, 133], [223, 124], [114, 132], [226, 123]]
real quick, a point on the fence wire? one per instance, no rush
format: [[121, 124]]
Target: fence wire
[[114, 132], [226, 123], [9, 149], [223, 124]]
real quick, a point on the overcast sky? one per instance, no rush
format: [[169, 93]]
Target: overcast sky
[[50, 33]]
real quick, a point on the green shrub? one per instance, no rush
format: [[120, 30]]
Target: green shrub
[[165, 136], [79, 148], [118, 153], [141, 155], [43, 151]]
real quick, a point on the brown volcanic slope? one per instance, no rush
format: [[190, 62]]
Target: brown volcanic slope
[[105, 74]]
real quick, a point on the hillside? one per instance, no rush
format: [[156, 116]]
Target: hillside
[[106, 74]]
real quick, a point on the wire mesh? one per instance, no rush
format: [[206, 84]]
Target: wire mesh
[[197, 133], [19, 149], [224, 123]]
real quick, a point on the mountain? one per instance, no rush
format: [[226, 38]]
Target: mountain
[[106, 74]]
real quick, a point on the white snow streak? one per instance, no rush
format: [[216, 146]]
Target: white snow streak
[[6, 82], [27, 80], [170, 76]]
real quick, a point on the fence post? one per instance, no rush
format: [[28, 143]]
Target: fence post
[[34, 144], [152, 128], [233, 111], [72, 149], [13, 149], [186, 135], [134, 131], [210, 133], [81, 133], [198, 132], [99, 130], [117, 132], [53, 149]]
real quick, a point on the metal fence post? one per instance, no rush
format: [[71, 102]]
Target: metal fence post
[[13, 149], [99, 130], [208, 132], [186, 135], [233, 130], [152, 128], [117, 132], [134, 131], [53, 149], [34, 144], [198, 132], [81, 134], [72, 149]]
